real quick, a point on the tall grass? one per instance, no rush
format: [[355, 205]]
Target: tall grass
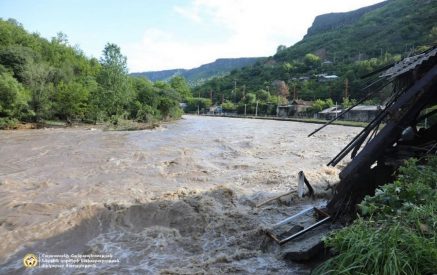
[[397, 233]]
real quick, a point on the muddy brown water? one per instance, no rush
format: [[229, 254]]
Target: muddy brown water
[[179, 199]]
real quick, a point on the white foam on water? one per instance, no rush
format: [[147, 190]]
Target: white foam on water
[[180, 199]]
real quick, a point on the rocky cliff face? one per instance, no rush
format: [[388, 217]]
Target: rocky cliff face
[[330, 21]]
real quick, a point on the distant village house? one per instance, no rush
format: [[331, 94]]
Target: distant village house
[[362, 113], [294, 108]]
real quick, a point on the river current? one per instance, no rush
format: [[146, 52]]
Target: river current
[[179, 199]]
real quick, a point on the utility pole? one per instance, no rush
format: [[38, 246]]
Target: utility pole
[[256, 109], [198, 104], [294, 91], [235, 90], [244, 92], [245, 109], [346, 88], [277, 105]]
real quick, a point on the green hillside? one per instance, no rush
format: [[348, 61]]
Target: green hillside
[[347, 45], [44, 79], [201, 74]]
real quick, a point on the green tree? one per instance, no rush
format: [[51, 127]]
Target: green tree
[[16, 58], [37, 77], [250, 98], [194, 103], [169, 108], [228, 106], [13, 97], [348, 102], [162, 85], [115, 91], [320, 104], [263, 95], [433, 35], [281, 48], [71, 100], [181, 86], [312, 60]]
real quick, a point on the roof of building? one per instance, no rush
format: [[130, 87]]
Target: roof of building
[[330, 76], [331, 110], [367, 108], [409, 63]]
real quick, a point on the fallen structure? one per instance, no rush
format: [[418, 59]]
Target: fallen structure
[[398, 132], [406, 127]]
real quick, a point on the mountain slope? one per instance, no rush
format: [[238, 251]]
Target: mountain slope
[[198, 75], [392, 26], [347, 44]]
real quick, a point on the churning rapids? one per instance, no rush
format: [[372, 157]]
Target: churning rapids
[[177, 199]]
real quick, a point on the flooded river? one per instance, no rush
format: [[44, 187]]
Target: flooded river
[[179, 199]]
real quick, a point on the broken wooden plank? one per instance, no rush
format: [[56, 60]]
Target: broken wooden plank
[[274, 198]]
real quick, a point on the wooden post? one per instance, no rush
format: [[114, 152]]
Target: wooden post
[[346, 88]]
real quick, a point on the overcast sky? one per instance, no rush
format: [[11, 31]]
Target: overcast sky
[[168, 34]]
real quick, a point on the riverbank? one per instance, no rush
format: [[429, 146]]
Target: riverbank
[[304, 120], [396, 231], [122, 125]]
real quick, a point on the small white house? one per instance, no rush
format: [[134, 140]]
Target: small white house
[[326, 77]]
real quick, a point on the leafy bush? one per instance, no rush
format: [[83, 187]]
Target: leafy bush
[[146, 114], [228, 106], [320, 104], [13, 97], [194, 103], [8, 123], [415, 186], [398, 231]]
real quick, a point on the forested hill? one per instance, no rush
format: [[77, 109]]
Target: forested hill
[[220, 67], [347, 45], [393, 26], [44, 79]]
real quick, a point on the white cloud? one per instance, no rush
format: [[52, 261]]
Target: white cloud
[[255, 28], [190, 13]]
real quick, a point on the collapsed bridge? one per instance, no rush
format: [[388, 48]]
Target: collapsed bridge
[[405, 128]]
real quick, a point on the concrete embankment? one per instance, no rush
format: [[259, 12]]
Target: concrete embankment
[[295, 119]]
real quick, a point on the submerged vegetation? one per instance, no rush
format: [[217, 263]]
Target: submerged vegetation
[[397, 230], [51, 80]]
